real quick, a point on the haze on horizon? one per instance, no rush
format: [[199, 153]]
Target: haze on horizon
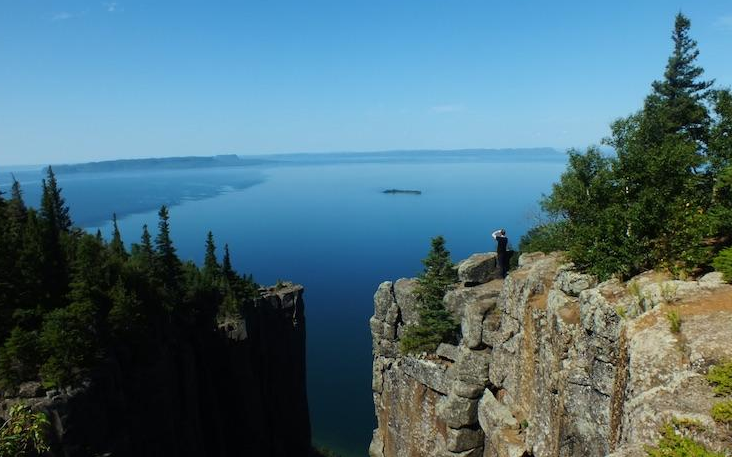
[[100, 80]]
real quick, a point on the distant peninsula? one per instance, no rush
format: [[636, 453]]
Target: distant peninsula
[[164, 163], [402, 191]]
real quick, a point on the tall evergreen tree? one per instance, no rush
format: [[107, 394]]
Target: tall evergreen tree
[[116, 245], [53, 205], [436, 325], [211, 268], [167, 263], [226, 268]]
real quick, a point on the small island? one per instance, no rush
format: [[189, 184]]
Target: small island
[[403, 191]]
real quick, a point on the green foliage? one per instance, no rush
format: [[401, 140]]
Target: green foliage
[[674, 321], [69, 342], [722, 412], [435, 322], [24, 433], [73, 298], [720, 376], [674, 444], [723, 264], [19, 358], [665, 198], [547, 237], [621, 311]]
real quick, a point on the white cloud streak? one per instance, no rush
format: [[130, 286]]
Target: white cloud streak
[[451, 108]]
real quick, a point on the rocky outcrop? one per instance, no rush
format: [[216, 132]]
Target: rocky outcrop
[[238, 391], [551, 363]]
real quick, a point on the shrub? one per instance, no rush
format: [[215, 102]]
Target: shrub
[[23, 433], [548, 237], [674, 321], [723, 263], [722, 412], [674, 444], [720, 376], [19, 358], [69, 343]]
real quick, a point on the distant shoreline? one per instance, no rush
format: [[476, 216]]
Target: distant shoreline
[[279, 159]]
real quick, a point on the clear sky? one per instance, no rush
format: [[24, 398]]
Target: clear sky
[[90, 80]]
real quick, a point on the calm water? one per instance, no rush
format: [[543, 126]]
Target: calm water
[[328, 226]]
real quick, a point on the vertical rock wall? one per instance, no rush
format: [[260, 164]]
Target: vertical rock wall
[[240, 391], [549, 364]]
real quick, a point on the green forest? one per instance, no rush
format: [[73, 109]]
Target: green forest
[[68, 298], [664, 198]]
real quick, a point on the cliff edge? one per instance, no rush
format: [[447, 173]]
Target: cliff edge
[[551, 363], [237, 390]]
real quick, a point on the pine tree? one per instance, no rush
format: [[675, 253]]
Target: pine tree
[[436, 324], [116, 245], [211, 268], [681, 92], [146, 243], [53, 205], [226, 268], [167, 263]]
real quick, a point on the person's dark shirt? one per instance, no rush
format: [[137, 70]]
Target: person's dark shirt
[[502, 243]]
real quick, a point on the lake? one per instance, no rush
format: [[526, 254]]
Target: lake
[[324, 222]]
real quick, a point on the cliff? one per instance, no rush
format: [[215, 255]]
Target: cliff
[[550, 363], [239, 390]]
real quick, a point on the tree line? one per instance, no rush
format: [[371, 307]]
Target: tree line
[[69, 298]]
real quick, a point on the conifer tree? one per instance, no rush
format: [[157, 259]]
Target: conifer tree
[[116, 245], [211, 268], [53, 205], [167, 263], [226, 268], [436, 325]]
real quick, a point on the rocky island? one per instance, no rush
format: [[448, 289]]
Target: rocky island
[[402, 191]]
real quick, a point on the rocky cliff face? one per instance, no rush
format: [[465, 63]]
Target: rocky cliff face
[[550, 363], [238, 391]]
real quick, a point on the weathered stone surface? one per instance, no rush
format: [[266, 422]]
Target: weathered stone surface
[[472, 366], [383, 299], [427, 372], [407, 301], [447, 351], [493, 414], [466, 390], [571, 282], [457, 411], [464, 439], [475, 311], [31, 389], [478, 268], [566, 367]]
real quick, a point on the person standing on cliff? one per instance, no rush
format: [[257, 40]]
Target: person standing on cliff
[[502, 240]]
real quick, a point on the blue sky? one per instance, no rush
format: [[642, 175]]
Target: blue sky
[[90, 80]]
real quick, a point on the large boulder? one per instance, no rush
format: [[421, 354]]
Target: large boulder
[[478, 268]]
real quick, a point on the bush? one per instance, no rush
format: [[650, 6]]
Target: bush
[[19, 358], [548, 237], [69, 344], [23, 434], [674, 444], [720, 376], [674, 321], [723, 263], [722, 412]]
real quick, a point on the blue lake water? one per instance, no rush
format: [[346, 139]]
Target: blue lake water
[[327, 225]]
